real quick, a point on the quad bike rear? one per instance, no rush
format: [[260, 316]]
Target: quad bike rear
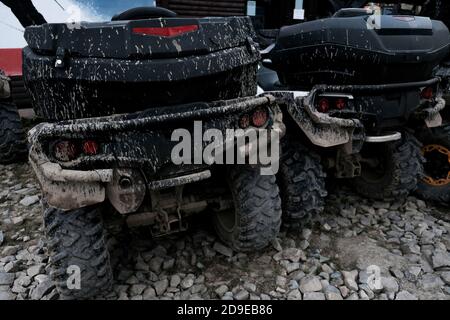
[[360, 90], [435, 184], [113, 94]]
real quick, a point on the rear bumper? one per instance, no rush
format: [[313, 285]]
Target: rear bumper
[[369, 114], [137, 143]]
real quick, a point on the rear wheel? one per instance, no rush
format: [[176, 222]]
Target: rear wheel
[[390, 170], [76, 242], [302, 184], [13, 147], [435, 185], [256, 218]]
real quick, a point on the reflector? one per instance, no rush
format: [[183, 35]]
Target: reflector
[[165, 31]]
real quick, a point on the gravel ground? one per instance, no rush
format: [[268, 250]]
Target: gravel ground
[[357, 249]]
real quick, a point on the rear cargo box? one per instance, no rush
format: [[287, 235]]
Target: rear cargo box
[[108, 68], [360, 50]]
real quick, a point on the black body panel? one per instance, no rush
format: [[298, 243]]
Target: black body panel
[[350, 50], [114, 67]]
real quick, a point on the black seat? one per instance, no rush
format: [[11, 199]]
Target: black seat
[[142, 13]]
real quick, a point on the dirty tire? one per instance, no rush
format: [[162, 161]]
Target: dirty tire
[[402, 168], [439, 193], [256, 219], [13, 147], [301, 179], [77, 238]]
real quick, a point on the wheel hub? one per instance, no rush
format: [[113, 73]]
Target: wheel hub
[[437, 169]]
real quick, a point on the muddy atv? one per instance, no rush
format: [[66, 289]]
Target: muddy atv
[[107, 147], [359, 92], [435, 184]]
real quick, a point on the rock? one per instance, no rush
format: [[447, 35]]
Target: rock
[[265, 297], [304, 244], [23, 281], [445, 276], [332, 293], [41, 278], [441, 259], [35, 270], [344, 291], [161, 286], [249, 287], [350, 279], [2, 237], [412, 273], [363, 277], [175, 280], [7, 295], [155, 264], [220, 248], [18, 221], [410, 248], [168, 264], [277, 245], [431, 282], [313, 296], [390, 284], [41, 290], [10, 267], [306, 234], [149, 294], [353, 296], [291, 267], [293, 254], [187, 282], [294, 295], [405, 295], [310, 284], [220, 291], [10, 250], [137, 289], [30, 200], [397, 273], [6, 279], [281, 281], [242, 295], [198, 289]]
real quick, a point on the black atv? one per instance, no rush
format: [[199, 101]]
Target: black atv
[[112, 95], [362, 85], [435, 185]]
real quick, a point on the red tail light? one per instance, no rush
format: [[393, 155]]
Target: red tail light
[[259, 118], [65, 151], [324, 105], [341, 104], [427, 93], [165, 31], [90, 148]]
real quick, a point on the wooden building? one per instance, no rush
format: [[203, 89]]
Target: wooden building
[[270, 14]]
